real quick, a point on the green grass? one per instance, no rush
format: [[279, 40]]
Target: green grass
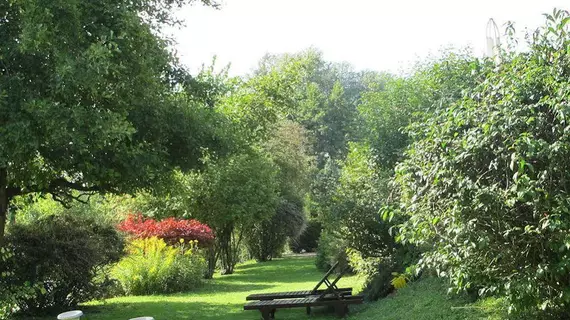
[[426, 299], [223, 298]]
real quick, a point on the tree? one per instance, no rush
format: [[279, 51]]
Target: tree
[[363, 189], [92, 100], [320, 95], [289, 150], [266, 240], [231, 195], [386, 108]]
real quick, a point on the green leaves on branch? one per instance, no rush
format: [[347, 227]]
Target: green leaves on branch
[[484, 184], [91, 99]]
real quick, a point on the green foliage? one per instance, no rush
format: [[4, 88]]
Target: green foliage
[[82, 108], [353, 223], [331, 249], [66, 256], [11, 293], [267, 239], [105, 209], [308, 240], [303, 87], [386, 107], [153, 267], [377, 274], [484, 183], [230, 196], [288, 148], [362, 190]]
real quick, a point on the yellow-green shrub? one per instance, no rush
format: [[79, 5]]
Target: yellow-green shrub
[[152, 266]]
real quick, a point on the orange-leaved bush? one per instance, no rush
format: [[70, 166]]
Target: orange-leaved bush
[[171, 230]]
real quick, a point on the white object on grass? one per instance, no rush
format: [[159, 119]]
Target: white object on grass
[[142, 318], [70, 315]]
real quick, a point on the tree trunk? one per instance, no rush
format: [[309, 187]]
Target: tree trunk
[[212, 258], [224, 238], [3, 202]]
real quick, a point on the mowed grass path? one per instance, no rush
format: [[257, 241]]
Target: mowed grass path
[[224, 297]]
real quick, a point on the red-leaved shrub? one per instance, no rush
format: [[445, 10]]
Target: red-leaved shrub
[[171, 230]]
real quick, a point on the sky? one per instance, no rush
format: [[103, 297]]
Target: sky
[[381, 35]]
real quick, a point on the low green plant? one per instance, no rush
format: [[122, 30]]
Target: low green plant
[[11, 293], [331, 249], [153, 267], [65, 257]]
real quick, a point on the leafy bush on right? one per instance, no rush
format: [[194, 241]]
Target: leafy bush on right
[[485, 182]]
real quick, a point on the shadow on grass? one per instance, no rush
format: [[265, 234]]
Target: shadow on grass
[[196, 310], [222, 286], [220, 298], [279, 270]]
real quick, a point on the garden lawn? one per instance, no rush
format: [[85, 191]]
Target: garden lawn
[[224, 297]]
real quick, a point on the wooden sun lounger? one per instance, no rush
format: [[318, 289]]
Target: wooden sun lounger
[[293, 294], [269, 307], [339, 298], [331, 289]]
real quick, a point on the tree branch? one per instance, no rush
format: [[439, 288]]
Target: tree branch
[[56, 187]]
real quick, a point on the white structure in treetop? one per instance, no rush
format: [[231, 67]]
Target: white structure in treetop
[[493, 40]]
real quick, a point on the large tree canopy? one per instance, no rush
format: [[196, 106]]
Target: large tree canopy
[[91, 99]]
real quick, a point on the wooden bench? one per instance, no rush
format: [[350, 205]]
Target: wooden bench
[[269, 307]]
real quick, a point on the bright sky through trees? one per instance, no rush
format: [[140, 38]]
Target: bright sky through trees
[[370, 34]]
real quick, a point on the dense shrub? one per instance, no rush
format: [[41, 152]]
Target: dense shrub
[[67, 256], [331, 249], [308, 240], [171, 230], [152, 266], [485, 183], [377, 274], [267, 239], [10, 292]]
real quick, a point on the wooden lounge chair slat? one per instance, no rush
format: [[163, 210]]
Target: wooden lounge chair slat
[[291, 294], [301, 302]]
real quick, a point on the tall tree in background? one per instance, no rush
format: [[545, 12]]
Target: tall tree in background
[[290, 151], [231, 195], [322, 96], [91, 99]]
